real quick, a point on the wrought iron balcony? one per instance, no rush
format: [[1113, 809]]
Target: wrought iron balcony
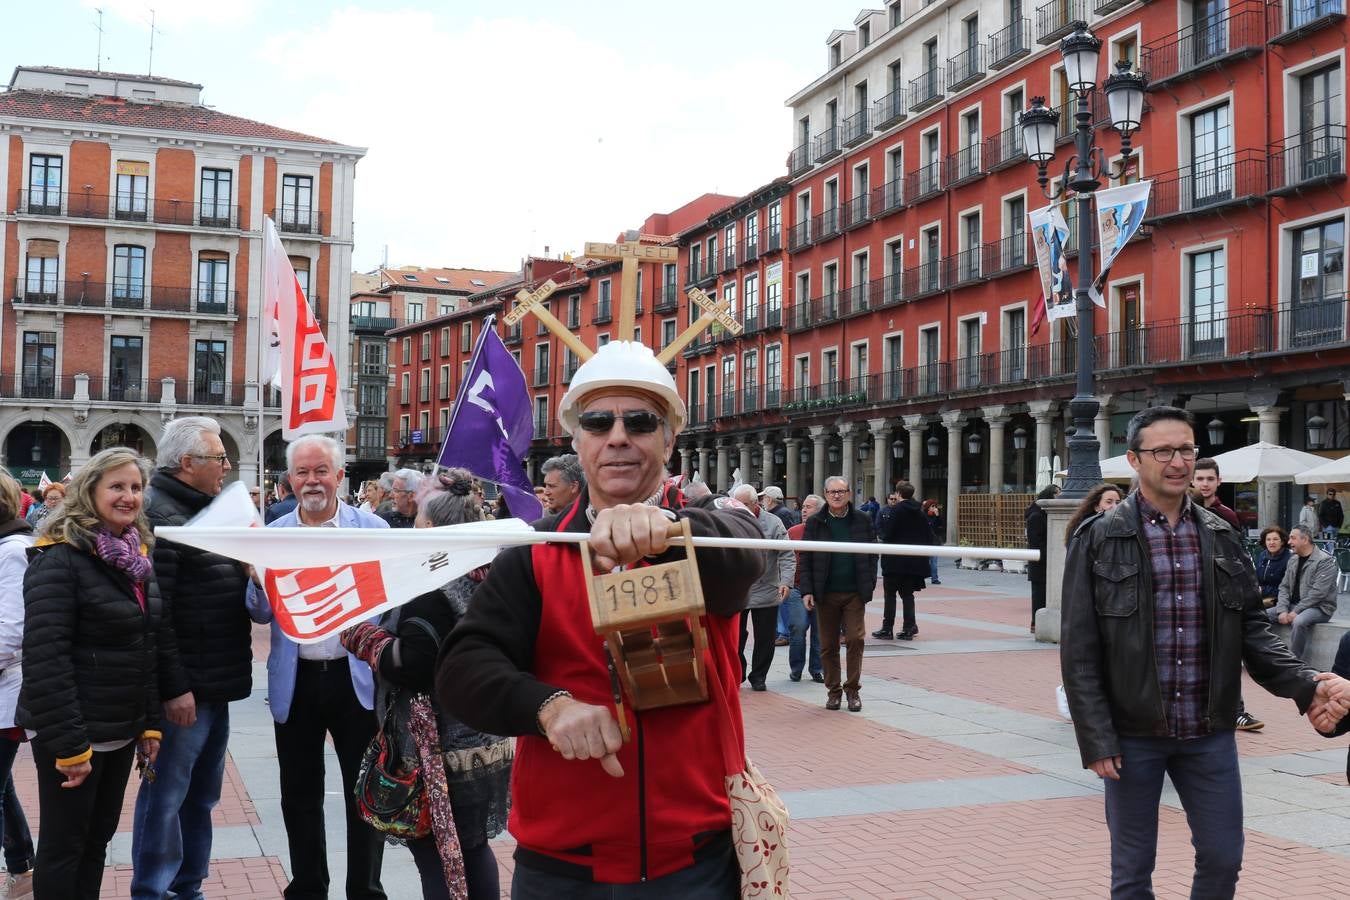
[[772, 241], [826, 145], [1308, 159], [925, 183], [1055, 19], [726, 259], [749, 249], [298, 220], [800, 236], [861, 298], [1209, 42], [889, 110], [825, 308], [892, 289], [924, 279], [855, 128], [1004, 149], [1291, 20], [889, 197], [372, 324], [1010, 254], [799, 160], [1010, 44], [667, 297], [1106, 7], [799, 316], [773, 318], [513, 335], [826, 225], [127, 208], [965, 68], [963, 166], [1208, 184], [96, 296], [603, 313], [964, 267], [857, 211], [925, 90]]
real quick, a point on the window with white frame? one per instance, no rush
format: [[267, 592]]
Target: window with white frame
[[751, 297], [1207, 291]]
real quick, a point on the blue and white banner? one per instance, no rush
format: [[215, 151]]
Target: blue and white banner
[[1120, 213], [1049, 231]]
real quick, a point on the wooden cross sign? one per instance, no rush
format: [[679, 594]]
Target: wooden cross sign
[[632, 254], [650, 617], [533, 302], [718, 311]]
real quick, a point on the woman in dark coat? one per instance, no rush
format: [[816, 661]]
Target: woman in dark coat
[[903, 575], [1272, 562], [1037, 537], [402, 650], [91, 647]]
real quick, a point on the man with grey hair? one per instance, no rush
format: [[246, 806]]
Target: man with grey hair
[[766, 593], [563, 482], [696, 490], [1308, 592], [206, 661], [404, 495], [316, 690], [800, 620]]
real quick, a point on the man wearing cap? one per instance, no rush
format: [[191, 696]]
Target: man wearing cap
[[772, 498], [588, 810]]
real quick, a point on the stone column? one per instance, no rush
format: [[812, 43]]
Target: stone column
[[768, 467], [1043, 411], [996, 418], [792, 460], [723, 467], [686, 461], [1268, 492], [848, 455], [953, 421], [1101, 426], [1058, 513], [820, 440], [916, 425], [747, 476], [703, 462], [881, 457]]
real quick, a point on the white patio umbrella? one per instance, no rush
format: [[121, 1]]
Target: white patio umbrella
[[1043, 474], [1332, 471], [1264, 461], [1114, 468]]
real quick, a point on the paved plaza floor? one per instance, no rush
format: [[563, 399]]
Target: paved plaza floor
[[958, 779]]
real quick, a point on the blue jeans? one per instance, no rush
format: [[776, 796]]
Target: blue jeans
[[18, 841], [1204, 772], [782, 621], [799, 621], [171, 836], [932, 568]]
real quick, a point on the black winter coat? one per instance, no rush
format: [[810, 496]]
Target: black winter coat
[[1038, 538], [905, 523], [204, 596], [814, 571], [90, 655]]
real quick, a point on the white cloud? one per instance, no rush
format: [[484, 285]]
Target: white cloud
[[507, 135]]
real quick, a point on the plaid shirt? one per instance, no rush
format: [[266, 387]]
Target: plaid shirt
[[1179, 635]]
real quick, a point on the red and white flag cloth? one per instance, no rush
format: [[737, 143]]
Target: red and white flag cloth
[[44, 482], [297, 358]]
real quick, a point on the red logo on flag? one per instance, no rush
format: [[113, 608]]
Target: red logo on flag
[[314, 603], [315, 390]]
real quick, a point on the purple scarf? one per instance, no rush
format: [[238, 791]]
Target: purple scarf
[[123, 553]]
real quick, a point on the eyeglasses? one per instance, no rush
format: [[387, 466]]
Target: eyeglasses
[[637, 421], [1165, 454], [837, 493], [220, 457]]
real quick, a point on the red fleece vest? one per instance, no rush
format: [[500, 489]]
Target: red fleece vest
[[675, 794]]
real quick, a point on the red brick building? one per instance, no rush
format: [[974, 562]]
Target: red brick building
[[131, 262]]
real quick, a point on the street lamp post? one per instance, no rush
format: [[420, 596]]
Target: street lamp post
[[1125, 97]]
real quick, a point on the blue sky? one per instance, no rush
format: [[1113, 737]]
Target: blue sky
[[493, 129]]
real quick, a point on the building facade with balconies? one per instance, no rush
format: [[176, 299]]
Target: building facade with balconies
[[911, 345], [132, 263]]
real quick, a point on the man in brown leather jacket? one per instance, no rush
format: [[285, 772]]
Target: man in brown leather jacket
[[1161, 607]]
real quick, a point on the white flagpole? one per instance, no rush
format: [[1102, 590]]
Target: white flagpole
[[262, 356]]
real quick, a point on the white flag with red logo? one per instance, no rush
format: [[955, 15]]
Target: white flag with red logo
[[297, 356], [44, 482]]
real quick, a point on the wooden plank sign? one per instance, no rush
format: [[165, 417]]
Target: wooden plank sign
[[642, 252], [645, 596], [719, 315], [529, 301]]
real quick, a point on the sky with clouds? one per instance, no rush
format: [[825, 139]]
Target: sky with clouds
[[493, 129]]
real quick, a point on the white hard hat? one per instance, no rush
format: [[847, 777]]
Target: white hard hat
[[622, 364]]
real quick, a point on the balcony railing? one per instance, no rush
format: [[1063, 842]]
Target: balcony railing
[[727, 402], [128, 208], [750, 249], [514, 334], [373, 324], [861, 298], [964, 267], [773, 318], [925, 183], [892, 289], [568, 369], [772, 241], [541, 376], [667, 298], [1055, 19], [298, 220], [857, 211], [799, 316], [964, 165], [1308, 159], [889, 110], [602, 313], [826, 225], [965, 68], [127, 295], [889, 197], [1106, 7], [827, 145], [799, 236], [1010, 44], [1290, 20], [1004, 149], [925, 90], [855, 128], [830, 395], [923, 279], [1234, 32], [1009, 254], [1208, 184], [726, 259], [799, 160]]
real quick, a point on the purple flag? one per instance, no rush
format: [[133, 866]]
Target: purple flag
[[491, 429]]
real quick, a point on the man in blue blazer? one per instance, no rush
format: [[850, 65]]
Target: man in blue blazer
[[316, 690]]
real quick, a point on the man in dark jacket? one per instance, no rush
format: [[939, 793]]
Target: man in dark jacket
[[1161, 608], [1037, 525], [772, 499], [902, 522], [285, 500], [1331, 514], [839, 586], [212, 665]]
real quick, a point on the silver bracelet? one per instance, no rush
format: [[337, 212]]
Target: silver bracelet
[[538, 720]]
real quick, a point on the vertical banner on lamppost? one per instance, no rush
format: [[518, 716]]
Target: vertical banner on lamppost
[[1049, 231], [1120, 213]]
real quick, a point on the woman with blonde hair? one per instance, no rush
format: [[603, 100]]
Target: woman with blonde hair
[[91, 645]]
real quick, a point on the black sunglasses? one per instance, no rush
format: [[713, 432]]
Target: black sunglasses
[[638, 421]]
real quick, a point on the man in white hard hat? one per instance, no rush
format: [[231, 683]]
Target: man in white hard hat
[[589, 810]]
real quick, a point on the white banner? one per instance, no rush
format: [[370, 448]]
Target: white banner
[[1049, 231], [1120, 213]]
